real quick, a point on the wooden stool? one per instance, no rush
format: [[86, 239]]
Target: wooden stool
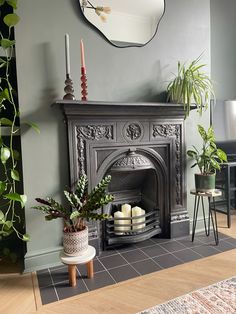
[[72, 261]]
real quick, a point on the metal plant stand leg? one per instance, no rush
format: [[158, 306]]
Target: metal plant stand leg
[[204, 218], [195, 214], [213, 220]]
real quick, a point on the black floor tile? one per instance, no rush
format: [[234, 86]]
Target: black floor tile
[[126, 248], [172, 246], [64, 290], [123, 273], [161, 240], [225, 246], [97, 266], [44, 278], [187, 255], [59, 274], [146, 267], [48, 295], [167, 260], [112, 261], [206, 250], [107, 252], [134, 256], [100, 280], [154, 250], [144, 243], [188, 242], [231, 241]]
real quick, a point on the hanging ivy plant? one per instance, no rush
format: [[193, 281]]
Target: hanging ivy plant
[[11, 199]]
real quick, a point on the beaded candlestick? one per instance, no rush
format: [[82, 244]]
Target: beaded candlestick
[[83, 85], [69, 90]]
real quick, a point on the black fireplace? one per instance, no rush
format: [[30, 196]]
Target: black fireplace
[[141, 145]]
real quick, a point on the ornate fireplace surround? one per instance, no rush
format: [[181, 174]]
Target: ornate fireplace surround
[[107, 135]]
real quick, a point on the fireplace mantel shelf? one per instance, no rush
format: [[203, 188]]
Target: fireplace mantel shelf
[[75, 107]]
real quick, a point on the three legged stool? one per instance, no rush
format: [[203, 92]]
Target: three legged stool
[[72, 261]]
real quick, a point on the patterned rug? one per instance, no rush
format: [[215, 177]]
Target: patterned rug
[[219, 298]]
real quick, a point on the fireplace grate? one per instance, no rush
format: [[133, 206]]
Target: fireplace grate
[[132, 229]]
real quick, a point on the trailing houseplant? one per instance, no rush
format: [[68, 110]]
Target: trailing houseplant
[[81, 207], [208, 160], [191, 85], [12, 199]]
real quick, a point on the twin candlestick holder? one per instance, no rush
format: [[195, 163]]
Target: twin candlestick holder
[[69, 90], [83, 78]]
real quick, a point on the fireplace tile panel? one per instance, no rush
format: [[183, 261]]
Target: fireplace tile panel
[[117, 265]]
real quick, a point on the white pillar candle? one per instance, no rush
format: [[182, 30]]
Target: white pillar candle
[[126, 210], [136, 212], [67, 54], [118, 214], [143, 219]]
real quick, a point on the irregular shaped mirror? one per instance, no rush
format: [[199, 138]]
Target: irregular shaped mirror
[[124, 23]]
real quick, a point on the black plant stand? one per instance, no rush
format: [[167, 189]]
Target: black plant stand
[[211, 209]]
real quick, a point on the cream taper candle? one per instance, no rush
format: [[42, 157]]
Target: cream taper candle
[[67, 54]]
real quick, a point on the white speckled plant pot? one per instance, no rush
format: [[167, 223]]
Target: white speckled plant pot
[[75, 243]]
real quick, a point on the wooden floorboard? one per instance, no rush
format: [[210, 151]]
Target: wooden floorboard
[[18, 295]]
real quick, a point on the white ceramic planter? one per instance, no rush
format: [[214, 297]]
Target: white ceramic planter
[[75, 243]]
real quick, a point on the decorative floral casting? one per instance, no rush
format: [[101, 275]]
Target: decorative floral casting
[[173, 130]]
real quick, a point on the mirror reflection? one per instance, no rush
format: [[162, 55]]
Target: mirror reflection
[[124, 22]]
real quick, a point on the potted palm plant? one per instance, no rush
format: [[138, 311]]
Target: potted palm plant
[[208, 160], [82, 206], [191, 85]]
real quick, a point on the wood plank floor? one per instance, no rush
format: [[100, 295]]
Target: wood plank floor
[[18, 295]]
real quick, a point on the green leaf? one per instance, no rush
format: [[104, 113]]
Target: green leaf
[[17, 198], [2, 216], [12, 3], [15, 175], [32, 125], [8, 224], [5, 121], [74, 214], [5, 154], [11, 19], [26, 237], [16, 154], [4, 94], [6, 43], [2, 63], [3, 187]]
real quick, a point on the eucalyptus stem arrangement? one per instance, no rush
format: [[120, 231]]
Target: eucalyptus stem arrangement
[[191, 85], [12, 201]]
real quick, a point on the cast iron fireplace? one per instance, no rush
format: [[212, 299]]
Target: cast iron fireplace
[[142, 146]]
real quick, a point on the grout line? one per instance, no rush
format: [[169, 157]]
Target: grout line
[[108, 273], [130, 265], [53, 284], [82, 279]]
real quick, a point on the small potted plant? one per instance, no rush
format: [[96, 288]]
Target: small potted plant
[[191, 85], [82, 206], [208, 160]]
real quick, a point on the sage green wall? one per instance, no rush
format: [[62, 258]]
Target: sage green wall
[[130, 74], [223, 43]]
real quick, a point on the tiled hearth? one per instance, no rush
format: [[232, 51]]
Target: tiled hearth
[[117, 265]]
